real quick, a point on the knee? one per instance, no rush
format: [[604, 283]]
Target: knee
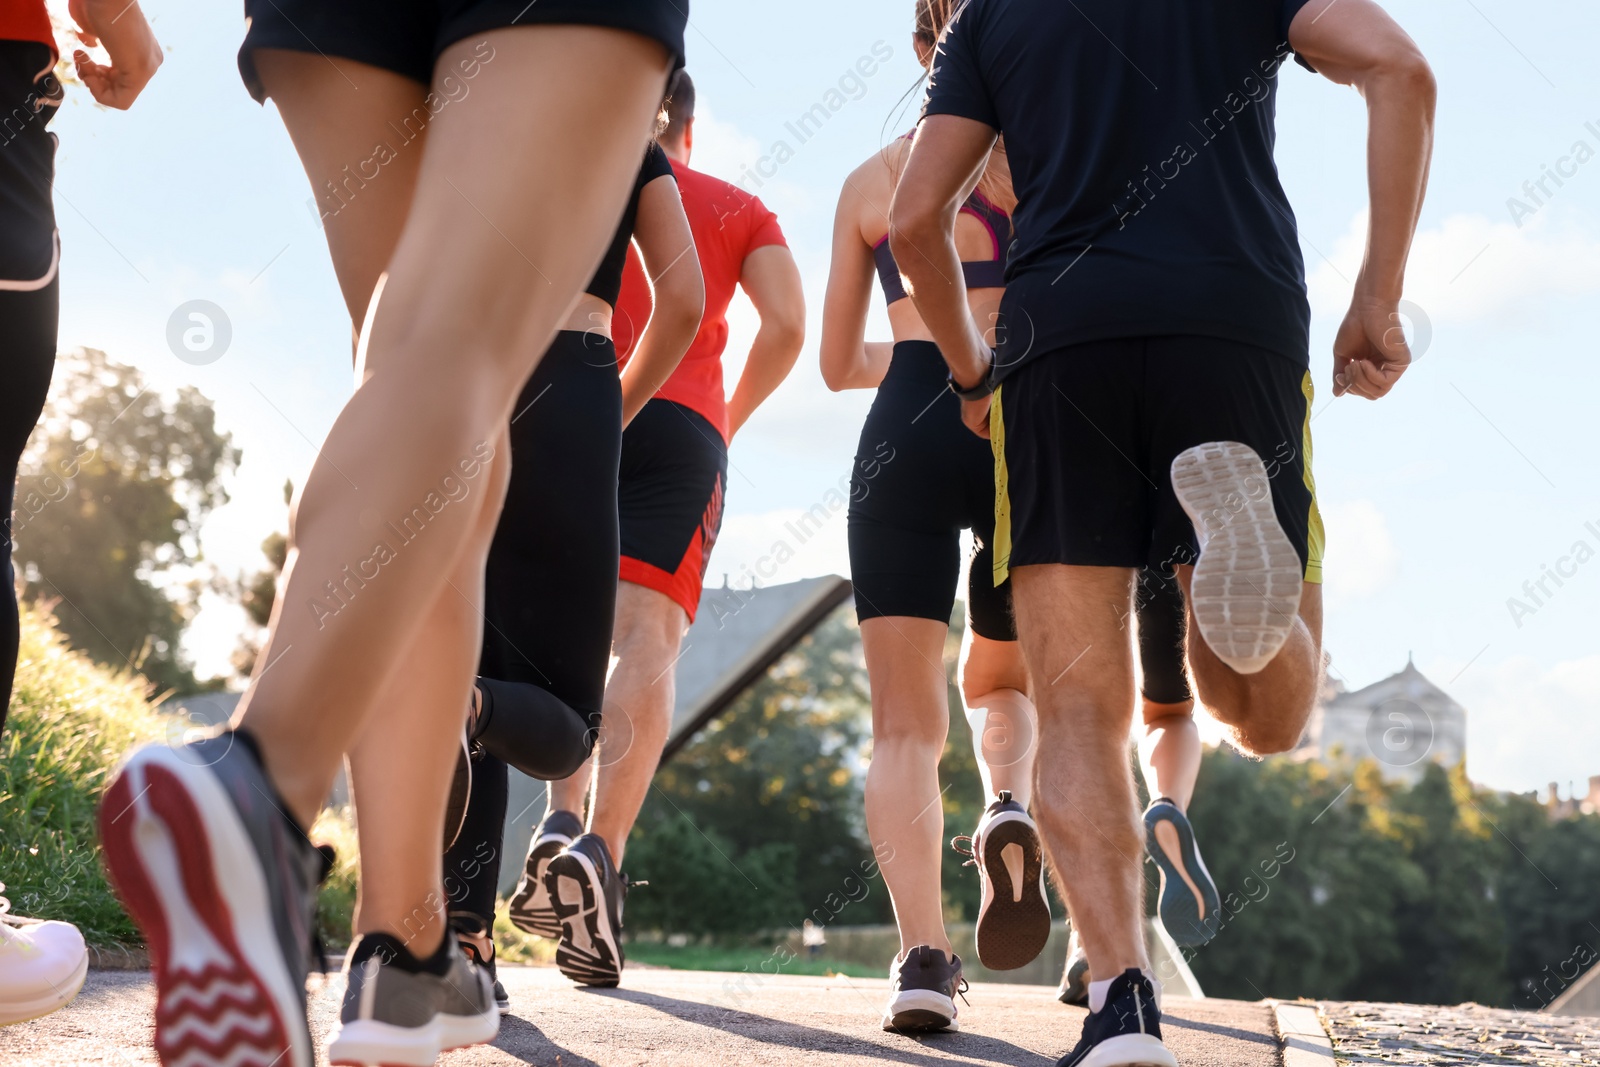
[[907, 729]]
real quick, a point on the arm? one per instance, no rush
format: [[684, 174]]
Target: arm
[[1355, 42], [848, 360], [135, 53], [667, 248], [947, 159], [772, 282]]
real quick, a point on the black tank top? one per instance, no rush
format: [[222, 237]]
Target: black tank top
[[607, 280]]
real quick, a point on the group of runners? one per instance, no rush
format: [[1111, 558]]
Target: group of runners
[[1087, 258]]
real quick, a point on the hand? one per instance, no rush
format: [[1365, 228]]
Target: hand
[[135, 53], [975, 416], [1369, 351]]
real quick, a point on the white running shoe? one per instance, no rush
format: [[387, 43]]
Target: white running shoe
[[1247, 582], [42, 965]]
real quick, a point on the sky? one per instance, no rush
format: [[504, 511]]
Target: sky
[[1447, 503]]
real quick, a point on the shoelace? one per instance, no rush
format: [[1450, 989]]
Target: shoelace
[[965, 846]]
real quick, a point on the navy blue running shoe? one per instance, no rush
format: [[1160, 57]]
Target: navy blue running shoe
[[1190, 907], [1126, 1032]]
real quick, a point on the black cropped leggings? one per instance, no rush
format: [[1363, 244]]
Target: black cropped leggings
[[549, 599]]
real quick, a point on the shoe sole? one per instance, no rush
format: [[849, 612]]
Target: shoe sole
[[588, 953], [1129, 1050], [1014, 918], [1248, 581], [524, 910], [1075, 984], [60, 995], [224, 994], [1190, 907], [921, 1011], [368, 1042]]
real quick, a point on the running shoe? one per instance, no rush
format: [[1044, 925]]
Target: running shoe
[[1126, 1031], [42, 965], [1190, 907], [400, 1011], [1014, 916], [455, 808], [587, 892], [530, 905], [469, 926], [1247, 582], [923, 985], [1074, 988], [223, 885]]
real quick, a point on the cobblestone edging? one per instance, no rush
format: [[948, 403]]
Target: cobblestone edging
[[1465, 1034]]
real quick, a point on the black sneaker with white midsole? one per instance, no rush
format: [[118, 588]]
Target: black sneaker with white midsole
[[400, 1011], [923, 985], [530, 908], [223, 885], [1074, 987], [586, 890], [1190, 905], [1014, 915], [1126, 1031]]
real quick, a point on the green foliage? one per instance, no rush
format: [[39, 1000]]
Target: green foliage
[[118, 480]]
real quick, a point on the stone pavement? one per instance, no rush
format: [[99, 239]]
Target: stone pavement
[[692, 1019], [1469, 1034]]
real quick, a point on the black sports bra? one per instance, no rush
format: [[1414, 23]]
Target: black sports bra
[[979, 273], [607, 280]]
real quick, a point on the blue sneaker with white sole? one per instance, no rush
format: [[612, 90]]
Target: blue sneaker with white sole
[[1126, 1031], [1190, 907]]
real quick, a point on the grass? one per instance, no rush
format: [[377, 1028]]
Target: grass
[[70, 722], [736, 958]]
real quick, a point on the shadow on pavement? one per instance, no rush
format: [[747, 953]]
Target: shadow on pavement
[[520, 1038], [1176, 1022], [973, 1047]]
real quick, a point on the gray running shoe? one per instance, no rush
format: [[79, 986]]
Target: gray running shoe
[[223, 885], [469, 926], [400, 1011], [530, 908], [923, 985], [586, 890]]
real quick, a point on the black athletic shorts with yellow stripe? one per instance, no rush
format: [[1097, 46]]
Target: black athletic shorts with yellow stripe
[[1084, 440]]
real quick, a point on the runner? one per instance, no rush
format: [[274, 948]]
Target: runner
[[674, 463], [483, 207], [1154, 349], [542, 674], [42, 964]]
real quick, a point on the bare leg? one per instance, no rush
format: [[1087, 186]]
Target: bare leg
[[1005, 726], [513, 206], [1266, 711], [638, 710], [572, 792], [1169, 752], [910, 722], [1071, 620]]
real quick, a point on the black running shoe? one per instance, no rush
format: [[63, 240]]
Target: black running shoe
[[455, 808], [923, 985], [1126, 1032], [1190, 907], [1014, 916], [399, 1010], [223, 885], [530, 905], [1074, 988], [467, 925], [586, 890]]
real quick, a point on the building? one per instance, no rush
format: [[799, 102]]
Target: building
[[1402, 723]]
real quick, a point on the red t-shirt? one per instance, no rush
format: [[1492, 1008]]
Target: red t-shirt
[[728, 224], [26, 20]]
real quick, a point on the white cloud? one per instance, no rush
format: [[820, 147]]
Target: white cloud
[[1529, 724], [1469, 268], [1361, 556]]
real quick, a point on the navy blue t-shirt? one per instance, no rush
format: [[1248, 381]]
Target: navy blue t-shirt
[[1139, 135]]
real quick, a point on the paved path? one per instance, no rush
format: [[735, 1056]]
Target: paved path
[[1469, 1034], [692, 1019]]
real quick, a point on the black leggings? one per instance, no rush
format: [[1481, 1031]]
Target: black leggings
[[30, 294], [1159, 600], [549, 599]]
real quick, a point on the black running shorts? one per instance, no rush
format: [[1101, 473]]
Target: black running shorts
[[1084, 440], [673, 478], [920, 478], [407, 36]]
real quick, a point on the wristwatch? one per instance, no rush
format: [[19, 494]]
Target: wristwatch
[[984, 387]]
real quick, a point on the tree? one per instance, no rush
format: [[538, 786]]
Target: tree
[[107, 521], [258, 593]]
